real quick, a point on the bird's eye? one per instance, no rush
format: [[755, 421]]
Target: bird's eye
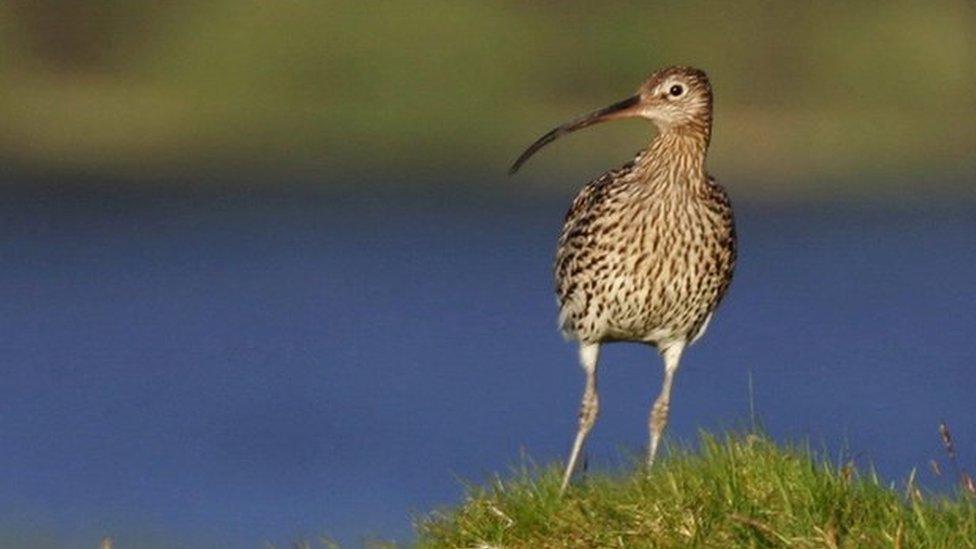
[[676, 90]]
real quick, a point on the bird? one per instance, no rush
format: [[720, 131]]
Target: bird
[[647, 250]]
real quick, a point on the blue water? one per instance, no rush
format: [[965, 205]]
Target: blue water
[[229, 369]]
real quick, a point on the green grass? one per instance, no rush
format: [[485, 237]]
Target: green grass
[[737, 491]]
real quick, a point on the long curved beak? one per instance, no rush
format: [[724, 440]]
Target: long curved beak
[[620, 109]]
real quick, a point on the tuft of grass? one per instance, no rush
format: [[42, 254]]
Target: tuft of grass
[[732, 491]]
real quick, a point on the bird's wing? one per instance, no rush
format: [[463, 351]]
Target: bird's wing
[[595, 192], [721, 204], [720, 199], [573, 252]]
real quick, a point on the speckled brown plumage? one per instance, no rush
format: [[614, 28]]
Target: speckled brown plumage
[[647, 250]]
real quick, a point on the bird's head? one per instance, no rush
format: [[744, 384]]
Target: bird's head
[[675, 98]]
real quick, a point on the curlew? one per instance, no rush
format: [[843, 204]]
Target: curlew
[[647, 250]]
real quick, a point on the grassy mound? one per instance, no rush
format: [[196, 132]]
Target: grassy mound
[[731, 492]]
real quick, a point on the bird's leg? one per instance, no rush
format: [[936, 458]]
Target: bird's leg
[[589, 354], [658, 418]]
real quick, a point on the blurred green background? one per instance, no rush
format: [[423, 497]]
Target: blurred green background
[[812, 98]]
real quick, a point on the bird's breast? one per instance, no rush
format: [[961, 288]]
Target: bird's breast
[[644, 268]]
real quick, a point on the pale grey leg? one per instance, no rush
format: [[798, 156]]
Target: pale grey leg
[[658, 419], [589, 354]]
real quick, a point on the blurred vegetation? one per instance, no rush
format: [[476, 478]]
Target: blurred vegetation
[[806, 92]]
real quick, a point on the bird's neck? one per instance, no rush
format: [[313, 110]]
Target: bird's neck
[[676, 155]]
